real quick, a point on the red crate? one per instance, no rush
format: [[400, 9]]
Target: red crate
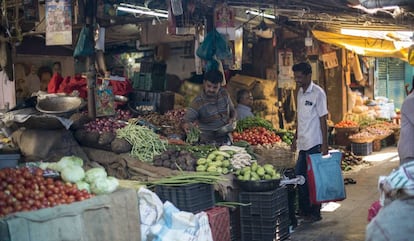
[[219, 219]]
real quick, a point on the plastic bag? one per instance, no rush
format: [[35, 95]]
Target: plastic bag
[[84, 46], [214, 44], [325, 178]]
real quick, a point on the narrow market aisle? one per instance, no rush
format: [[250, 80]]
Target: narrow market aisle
[[348, 221]]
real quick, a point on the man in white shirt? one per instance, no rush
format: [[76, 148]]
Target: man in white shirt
[[311, 132], [406, 140]]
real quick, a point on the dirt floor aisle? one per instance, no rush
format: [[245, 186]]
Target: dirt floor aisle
[[348, 222]]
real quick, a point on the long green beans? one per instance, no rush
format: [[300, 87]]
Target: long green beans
[[188, 178], [145, 143]]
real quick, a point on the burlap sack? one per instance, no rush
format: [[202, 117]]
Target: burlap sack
[[47, 145]]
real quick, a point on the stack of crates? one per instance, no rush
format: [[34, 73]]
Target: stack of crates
[[267, 218], [152, 77]]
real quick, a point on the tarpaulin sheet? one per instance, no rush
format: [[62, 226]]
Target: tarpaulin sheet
[[373, 47]]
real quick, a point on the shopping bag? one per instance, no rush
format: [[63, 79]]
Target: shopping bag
[[325, 179]]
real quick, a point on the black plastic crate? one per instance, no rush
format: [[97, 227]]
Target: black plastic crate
[[263, 233], [191, 198], [235, 227], [361, 149], [282, 219], [264, 204]]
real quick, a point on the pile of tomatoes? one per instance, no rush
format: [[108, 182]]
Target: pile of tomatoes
[[24, 190], [256, 136], [346, 124]]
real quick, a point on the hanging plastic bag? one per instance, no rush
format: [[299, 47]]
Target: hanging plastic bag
[[84, 46], [214, 44]]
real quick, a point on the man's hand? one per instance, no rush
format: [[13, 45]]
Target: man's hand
[[186, 127], [324, 150]]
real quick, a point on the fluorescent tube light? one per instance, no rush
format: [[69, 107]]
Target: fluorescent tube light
[[260, 14], [140, 11]]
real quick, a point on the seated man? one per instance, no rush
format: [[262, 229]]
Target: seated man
[[212, 109], [244, 104]]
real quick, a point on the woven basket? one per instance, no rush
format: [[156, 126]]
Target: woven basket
[[279, 157], [362, 140], [347, 129]]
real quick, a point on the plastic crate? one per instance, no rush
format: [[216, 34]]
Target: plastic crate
[[235, 231], [262, 231], [149, 82], [191, 198], [141, 81], [361, 149], [258, 233], [264, 204], [9, 160], [219, 220], [281, 218]]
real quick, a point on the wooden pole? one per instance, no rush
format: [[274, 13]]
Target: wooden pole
[[90, 21]]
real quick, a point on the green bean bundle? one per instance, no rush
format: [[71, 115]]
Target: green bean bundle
[[193, 136], [145, 143], [188, 178]]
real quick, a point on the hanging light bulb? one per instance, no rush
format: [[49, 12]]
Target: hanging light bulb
[[308, 40]]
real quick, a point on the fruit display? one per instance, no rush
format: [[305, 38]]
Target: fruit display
[[256, 135], [94, 180], [379, 131], [216, 161], [257, 172], [224, 160], [287, 136], [24, 190], [346, 124]]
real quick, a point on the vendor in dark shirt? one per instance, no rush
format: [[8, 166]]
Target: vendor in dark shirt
[[211, 109], [244, 104]]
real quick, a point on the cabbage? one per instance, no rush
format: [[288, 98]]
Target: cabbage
[[104, 185], [68, 161], [94, 173], [72, 174], [83, 185], [44, 165]]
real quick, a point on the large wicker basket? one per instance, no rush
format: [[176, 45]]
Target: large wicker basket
[[279, 157], [362, 140]]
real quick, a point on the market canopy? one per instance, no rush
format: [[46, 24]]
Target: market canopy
[[367, 46]]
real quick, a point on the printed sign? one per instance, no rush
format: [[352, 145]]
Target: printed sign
[[58, 22]]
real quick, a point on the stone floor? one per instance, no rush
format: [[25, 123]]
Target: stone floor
[[348, 222]]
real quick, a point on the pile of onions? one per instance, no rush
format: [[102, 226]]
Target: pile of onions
[[176, 114], [23, 190], [104, 125], [109, 124]]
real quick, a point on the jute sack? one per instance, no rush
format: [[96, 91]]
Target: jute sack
[[47, 145]]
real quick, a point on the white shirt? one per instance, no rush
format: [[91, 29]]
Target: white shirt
[[406, 141], [311, 106]]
